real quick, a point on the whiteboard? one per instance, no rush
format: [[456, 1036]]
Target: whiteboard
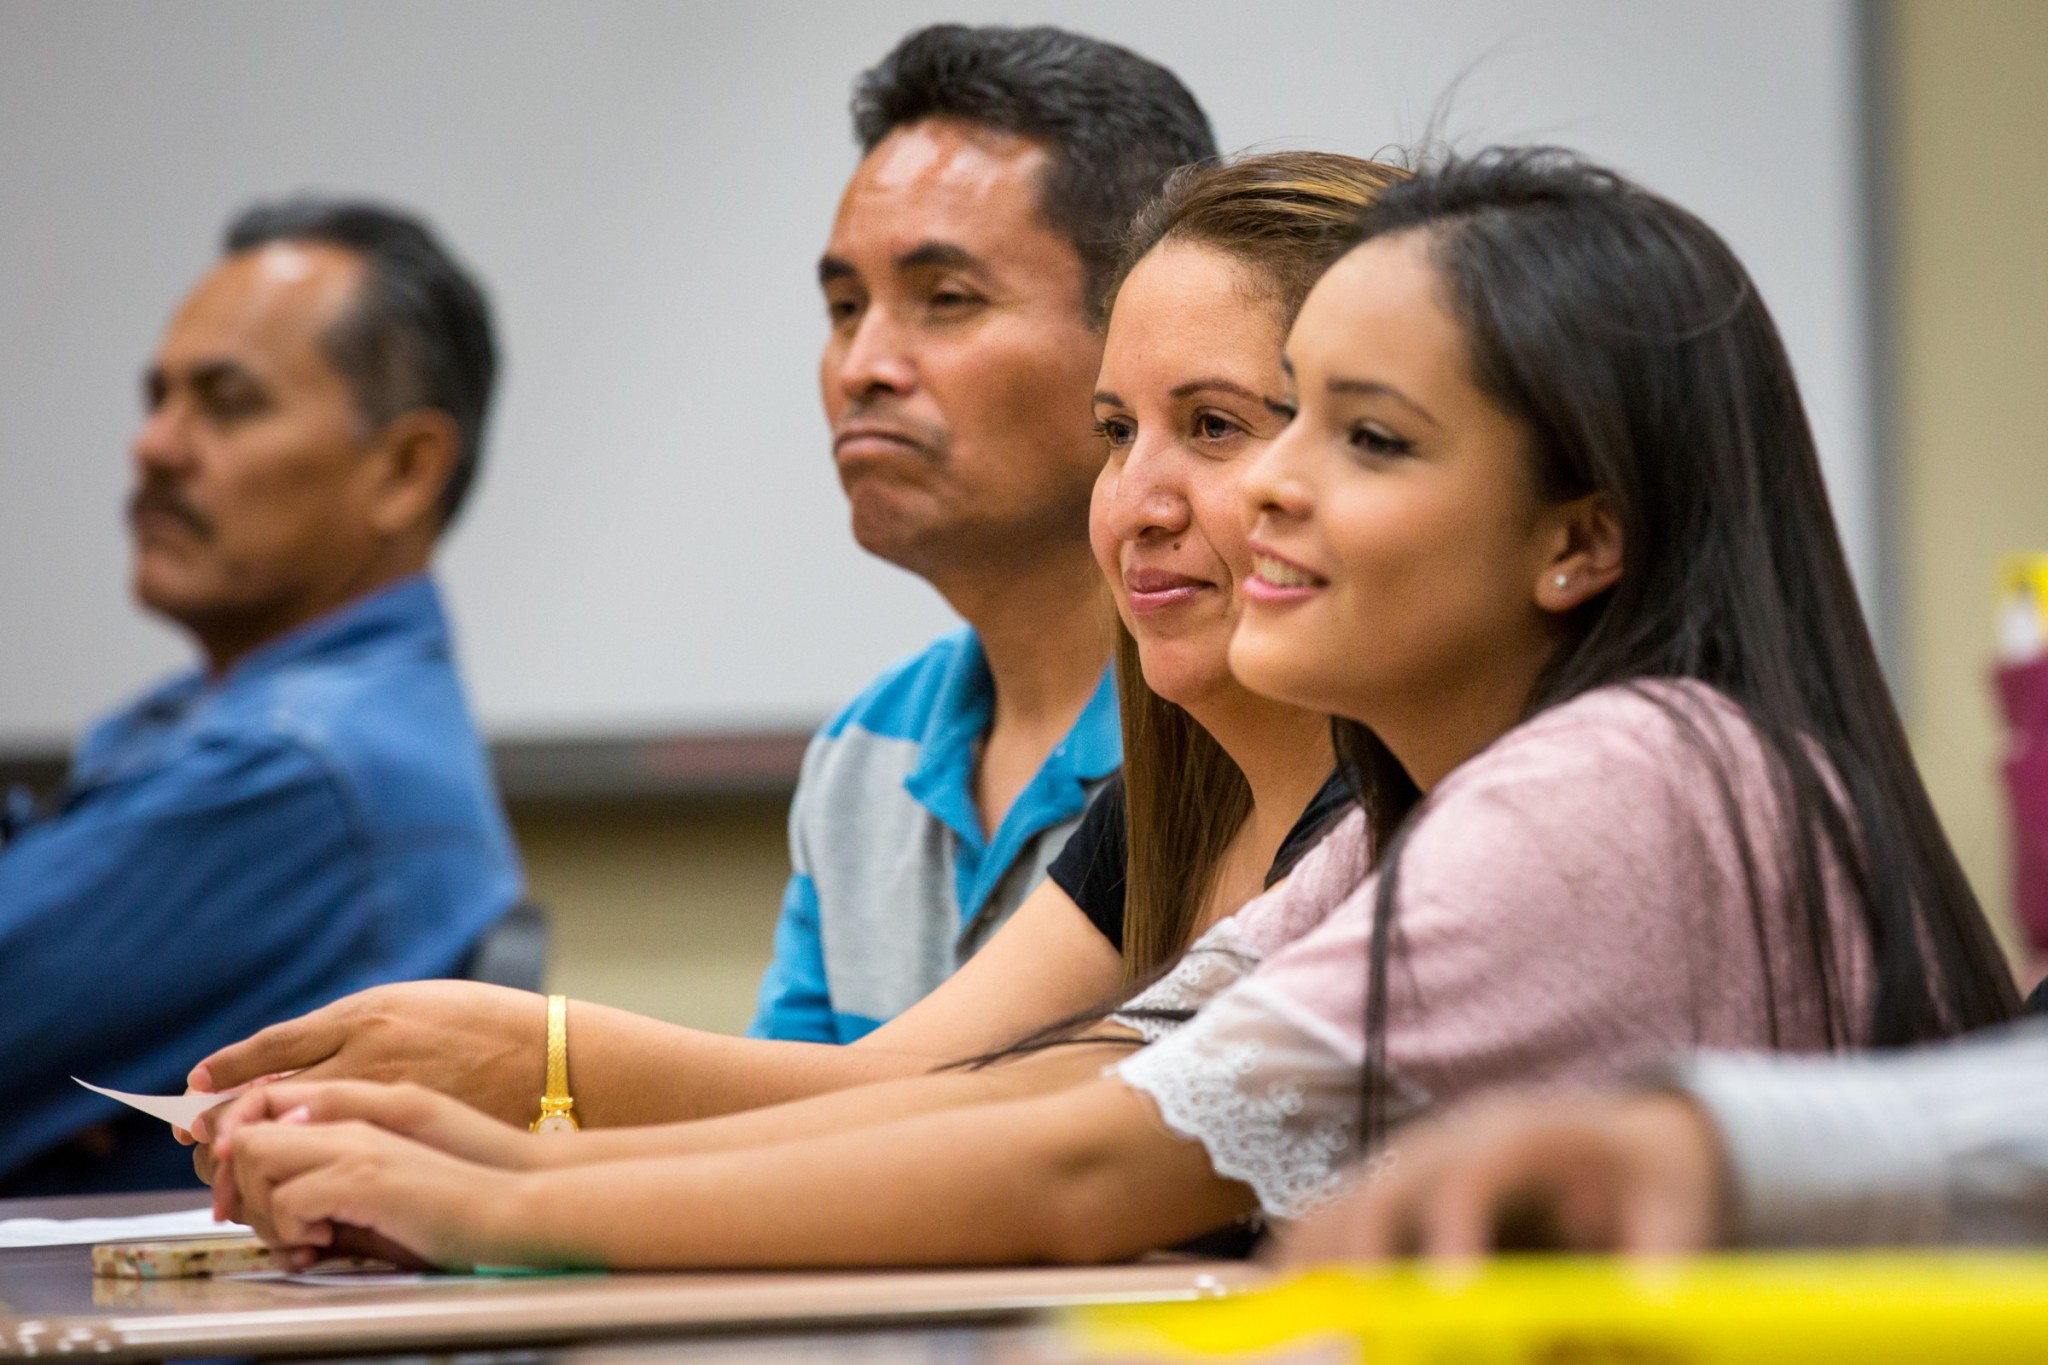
[[658, 544]]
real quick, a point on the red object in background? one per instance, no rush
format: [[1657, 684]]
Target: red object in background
[[2023, 688]]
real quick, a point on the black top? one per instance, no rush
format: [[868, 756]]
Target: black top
[[1090, 868]]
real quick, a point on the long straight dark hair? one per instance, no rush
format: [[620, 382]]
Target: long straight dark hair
[[1633, 348]]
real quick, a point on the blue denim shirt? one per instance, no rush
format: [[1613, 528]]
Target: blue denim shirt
[[232, 852], [894, 883]]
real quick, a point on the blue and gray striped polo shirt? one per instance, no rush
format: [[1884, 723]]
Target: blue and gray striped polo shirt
[[895, 885]]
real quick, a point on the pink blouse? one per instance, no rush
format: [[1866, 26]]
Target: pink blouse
[[1572, 905]]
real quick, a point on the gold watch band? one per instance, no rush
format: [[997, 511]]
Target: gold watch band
[[557, 1108]]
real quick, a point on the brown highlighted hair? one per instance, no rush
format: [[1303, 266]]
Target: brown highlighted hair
[[1283, 217]]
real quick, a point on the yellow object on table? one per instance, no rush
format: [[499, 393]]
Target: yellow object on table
[[1873, 1309]]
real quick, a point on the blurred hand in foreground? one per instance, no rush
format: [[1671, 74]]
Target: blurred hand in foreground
[[1637, 1173]]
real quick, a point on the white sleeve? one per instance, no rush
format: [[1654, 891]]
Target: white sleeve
[[1272, 1094], [1235, 946], [1218, 960], [1942, 1144]]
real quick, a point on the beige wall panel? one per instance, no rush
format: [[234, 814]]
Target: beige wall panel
[[1970, 108], [667, 911]]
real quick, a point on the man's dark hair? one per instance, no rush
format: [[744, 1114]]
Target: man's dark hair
[[418, 332], [1117, 124]]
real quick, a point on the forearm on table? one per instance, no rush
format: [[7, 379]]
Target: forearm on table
[[625, 1068], [1085, 1175], [840, 1111]]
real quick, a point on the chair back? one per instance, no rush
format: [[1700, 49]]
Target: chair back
[[514, 951]]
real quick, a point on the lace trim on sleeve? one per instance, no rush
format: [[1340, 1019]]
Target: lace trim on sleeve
[[1273, 1106], [1217, 961]]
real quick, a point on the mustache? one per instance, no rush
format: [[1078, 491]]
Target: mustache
[[932, 440], [156, 497]]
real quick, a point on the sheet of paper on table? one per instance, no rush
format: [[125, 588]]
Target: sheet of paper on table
[[178, 1110], [57, 1232]]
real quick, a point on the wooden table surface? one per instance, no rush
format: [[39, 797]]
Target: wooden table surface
[[50, 1304]]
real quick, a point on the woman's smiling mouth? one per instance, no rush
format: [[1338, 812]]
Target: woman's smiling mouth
[[1279, 580], [1160, 589]]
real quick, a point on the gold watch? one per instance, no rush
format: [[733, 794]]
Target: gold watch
[[557, 1110]]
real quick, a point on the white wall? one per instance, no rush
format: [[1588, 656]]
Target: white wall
[[659, 543]]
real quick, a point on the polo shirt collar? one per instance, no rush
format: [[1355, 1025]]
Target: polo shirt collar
[[943, 779], [1056, 793], [1094, 748]]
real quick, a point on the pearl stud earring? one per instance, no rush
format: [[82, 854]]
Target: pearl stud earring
[[1563, 580]]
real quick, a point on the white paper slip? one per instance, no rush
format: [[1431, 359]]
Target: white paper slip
[[176, 1110], [58, 1232]]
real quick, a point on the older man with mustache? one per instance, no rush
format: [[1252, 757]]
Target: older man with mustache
[[310, 811]]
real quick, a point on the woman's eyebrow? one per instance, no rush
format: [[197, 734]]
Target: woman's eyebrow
[[1373, 388], [1195, 386], [1105, 399]]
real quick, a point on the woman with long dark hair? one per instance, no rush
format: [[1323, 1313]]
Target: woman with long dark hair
[[1547, 529], [1642, 692]]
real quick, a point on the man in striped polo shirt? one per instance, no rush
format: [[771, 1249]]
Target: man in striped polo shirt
[[963, 280]]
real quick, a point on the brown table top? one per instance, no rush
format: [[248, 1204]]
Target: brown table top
[[51, 1304], [979, 1344]]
